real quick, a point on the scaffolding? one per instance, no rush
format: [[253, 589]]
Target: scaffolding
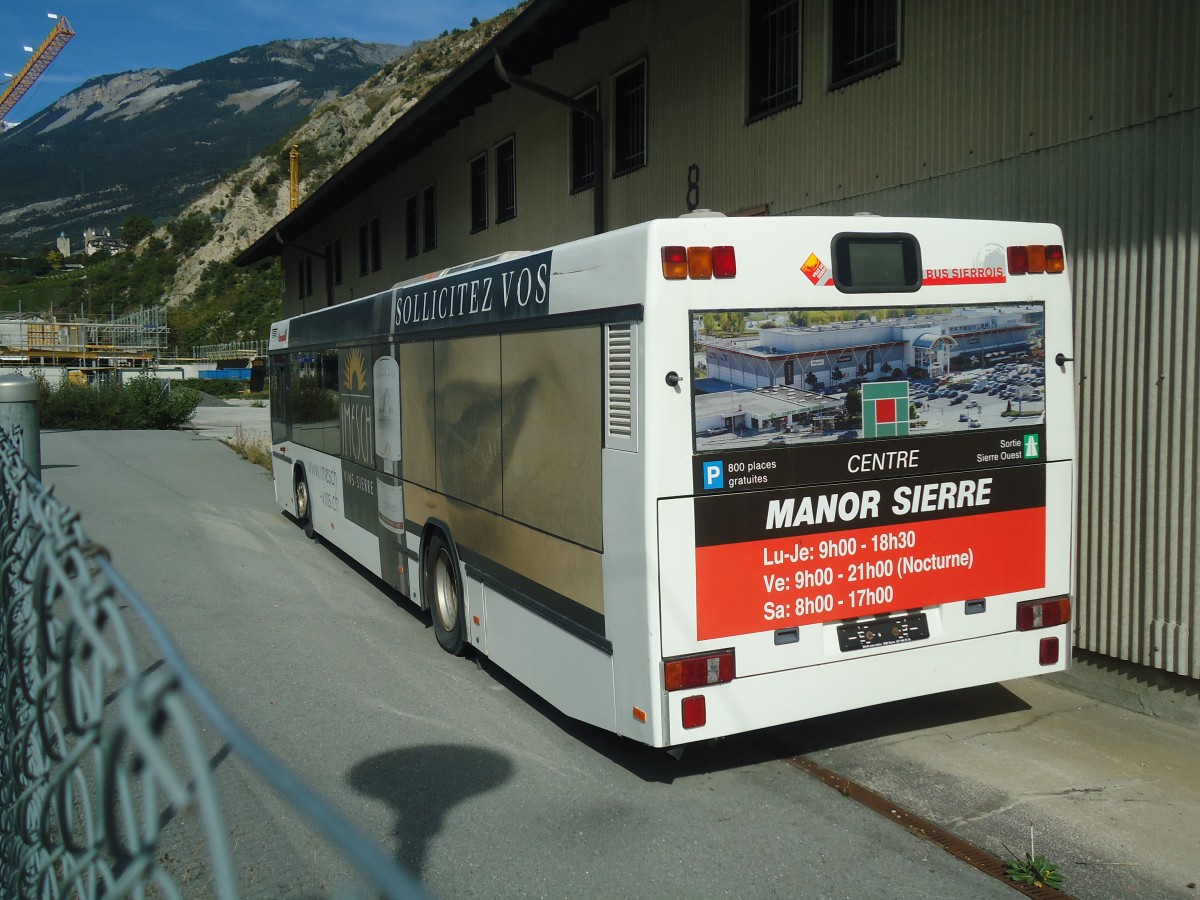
[[135, 339], [247, 350]]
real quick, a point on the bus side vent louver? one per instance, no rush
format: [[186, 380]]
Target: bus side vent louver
[[620, 413]]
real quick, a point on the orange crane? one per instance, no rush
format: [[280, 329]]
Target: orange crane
[[59, 35]]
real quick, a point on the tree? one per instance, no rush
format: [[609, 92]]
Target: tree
[[135, 228], [710, 323], [474, 22], [853, 403], [811, 380], [837, 374]]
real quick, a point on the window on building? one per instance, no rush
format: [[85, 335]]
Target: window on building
[[333, 265], [864, 38], [583, 135], [506, 180], [412, 243], [629, 119], [773, 55], [376, 244], [304, 276], [370, 247], [429, 209], [479, 204]]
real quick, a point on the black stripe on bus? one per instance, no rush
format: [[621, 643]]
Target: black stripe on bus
[[322, 331]]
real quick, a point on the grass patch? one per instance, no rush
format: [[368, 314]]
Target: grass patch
[[256, 450]]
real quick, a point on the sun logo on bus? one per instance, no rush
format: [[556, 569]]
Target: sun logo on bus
[[356, 371]]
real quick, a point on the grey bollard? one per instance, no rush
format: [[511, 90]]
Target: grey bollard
[[19, 406]]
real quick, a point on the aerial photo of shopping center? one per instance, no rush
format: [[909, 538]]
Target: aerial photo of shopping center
[[789, 377]]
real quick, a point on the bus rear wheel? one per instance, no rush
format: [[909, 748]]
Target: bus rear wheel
[[444, 596], [303, 503]]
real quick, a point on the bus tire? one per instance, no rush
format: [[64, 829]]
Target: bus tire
[[443, 593], [303, 503]]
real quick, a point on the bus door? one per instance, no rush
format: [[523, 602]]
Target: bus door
[[280, 389]]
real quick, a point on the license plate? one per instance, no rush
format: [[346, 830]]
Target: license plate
[[883, 632]]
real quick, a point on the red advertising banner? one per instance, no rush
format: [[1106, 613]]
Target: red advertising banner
[[783, 582]]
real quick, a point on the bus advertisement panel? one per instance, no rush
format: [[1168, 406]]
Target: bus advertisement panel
[[860, 462]]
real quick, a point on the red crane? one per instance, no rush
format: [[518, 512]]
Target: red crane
[[59, 35]]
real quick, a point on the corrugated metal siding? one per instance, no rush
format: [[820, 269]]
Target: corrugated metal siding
[[1129, 205]]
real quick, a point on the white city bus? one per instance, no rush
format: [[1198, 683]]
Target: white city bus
[[705, 475]]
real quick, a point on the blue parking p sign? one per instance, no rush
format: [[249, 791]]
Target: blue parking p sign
[[714, 475]]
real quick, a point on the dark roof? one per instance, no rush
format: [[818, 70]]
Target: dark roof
[[532, 37]]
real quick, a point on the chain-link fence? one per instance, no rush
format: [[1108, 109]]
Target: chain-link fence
[[104, 771]]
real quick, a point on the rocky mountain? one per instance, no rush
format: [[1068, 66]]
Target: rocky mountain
[[245, 204], [148, 142]]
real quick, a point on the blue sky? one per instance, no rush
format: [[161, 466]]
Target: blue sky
[[121, 35]]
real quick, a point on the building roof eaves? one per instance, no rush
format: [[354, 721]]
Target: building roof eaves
[[532, 37]]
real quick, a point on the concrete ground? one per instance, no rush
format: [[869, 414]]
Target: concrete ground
[[1101, 762], [1111, 795], [222, 419]]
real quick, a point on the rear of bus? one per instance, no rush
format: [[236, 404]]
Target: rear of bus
[[879, 498]]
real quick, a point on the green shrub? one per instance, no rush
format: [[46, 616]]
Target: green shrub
[[144, 403], [216, 387]]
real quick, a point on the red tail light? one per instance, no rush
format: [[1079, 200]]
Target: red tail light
[[724, 262], [1048, 651], [1018, 260], [697, 671], [695, 714], [1034, 614]]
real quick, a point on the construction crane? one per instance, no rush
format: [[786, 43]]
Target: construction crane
[[59, 35]]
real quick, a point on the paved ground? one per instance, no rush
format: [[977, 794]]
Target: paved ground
[[222, 419], [1111, 795]]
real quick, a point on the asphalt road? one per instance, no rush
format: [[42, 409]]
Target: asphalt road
[[463, 776]]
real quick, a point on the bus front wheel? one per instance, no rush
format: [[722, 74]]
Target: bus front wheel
[[444, 596]]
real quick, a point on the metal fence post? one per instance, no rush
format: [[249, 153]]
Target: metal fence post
[[19, 406]]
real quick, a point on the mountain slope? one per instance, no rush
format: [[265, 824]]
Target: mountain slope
[[248, 202], [145, 142]]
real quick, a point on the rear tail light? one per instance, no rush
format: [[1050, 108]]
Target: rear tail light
[[724, 262], [698, 262], [698, 671], [1056, 260], [1036, 259], [1048, 651], [1035, 614], [695, 714], [674, 262]]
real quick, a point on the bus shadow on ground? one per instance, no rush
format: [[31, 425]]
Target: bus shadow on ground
[[781, 742]]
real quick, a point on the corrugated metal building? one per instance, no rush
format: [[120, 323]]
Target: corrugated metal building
[[1080, 112]]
